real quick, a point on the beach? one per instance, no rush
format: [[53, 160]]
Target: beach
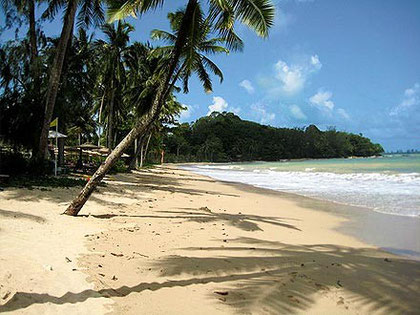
[[168, 241]]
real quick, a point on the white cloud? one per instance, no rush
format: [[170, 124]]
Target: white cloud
[[293, 76], [297, 112], [411, 99], [235, 110], [247, 85], [219, 105], [186, 114], [322, 100], [342, 112], [260, 112], [315, 62]]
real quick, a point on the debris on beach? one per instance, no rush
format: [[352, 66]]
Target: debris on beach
[[48, 267], [221, 292], [205, 209]]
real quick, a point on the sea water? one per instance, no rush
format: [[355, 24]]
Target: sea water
[[388, 184]]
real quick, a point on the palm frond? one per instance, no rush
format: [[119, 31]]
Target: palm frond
[[52, 9], [204, 77], [120, 9], [213, 67], [162, 35], [213, 49], [256, 14], [90, 12]]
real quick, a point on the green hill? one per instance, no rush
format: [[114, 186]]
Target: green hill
[[224, 137]]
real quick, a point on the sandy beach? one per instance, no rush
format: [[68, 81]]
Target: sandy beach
[[167, 241]]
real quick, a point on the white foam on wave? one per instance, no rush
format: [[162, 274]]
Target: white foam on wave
[[397, 194]]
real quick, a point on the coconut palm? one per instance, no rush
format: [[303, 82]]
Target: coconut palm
[[112, 78], [193, 57], [90, 11], [222, 15]]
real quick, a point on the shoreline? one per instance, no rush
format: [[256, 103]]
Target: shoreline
[[356, 219], [153, 239]]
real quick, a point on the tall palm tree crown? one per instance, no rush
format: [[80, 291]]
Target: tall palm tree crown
[[112, 74], [193, 56]]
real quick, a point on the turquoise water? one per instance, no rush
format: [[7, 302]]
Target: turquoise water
[[389, 164], [389, 184]]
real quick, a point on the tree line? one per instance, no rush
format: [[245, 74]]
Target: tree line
[[125, 89], [224, 137]]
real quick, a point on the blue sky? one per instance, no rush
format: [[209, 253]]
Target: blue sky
[[350, 64]]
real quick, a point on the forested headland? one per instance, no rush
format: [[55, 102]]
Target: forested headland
[[225, 137]]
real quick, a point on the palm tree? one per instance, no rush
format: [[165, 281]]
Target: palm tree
[[74, 102], [112, 54], [222, 14], [141, 87], [168, 115], [192, 58], [90, 12]]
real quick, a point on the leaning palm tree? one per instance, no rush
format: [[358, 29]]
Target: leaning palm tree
[[222, 14], [90, 11], [111, 53]]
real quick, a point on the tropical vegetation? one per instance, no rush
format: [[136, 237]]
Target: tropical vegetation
[[120, 95], [109, 91], [224, 137]]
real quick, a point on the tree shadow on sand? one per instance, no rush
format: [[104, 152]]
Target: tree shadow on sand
[[273, 277], [131, 184], [245, 222], [152, 181], [20, 215]]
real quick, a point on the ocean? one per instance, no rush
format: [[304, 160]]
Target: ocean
[[388, 184]]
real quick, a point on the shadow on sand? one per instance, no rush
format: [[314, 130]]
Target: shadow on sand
[[132, 184], [274, 277], [245, 222], [21, 215]]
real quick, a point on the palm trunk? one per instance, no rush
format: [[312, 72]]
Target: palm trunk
[[133, 162], [138, 143], [111, 119], [55, 74], [141, 155], [143, 158], [32, 30], [143, 123], [99, 120]]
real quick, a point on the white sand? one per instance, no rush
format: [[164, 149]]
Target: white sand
[[166, 241]]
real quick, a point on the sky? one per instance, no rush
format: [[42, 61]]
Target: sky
[[354, 65]]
